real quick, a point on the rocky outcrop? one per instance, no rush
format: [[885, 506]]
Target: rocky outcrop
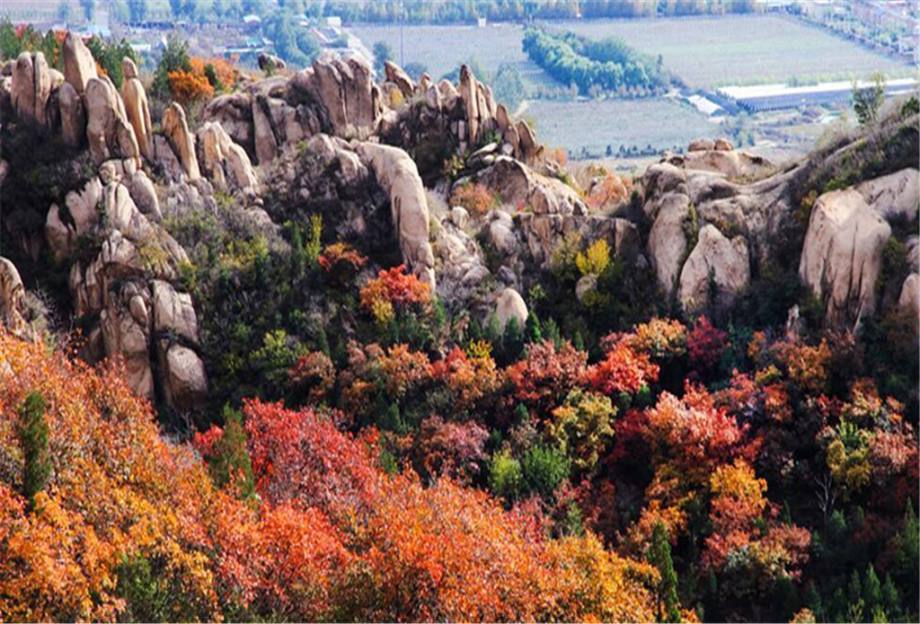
[[79, 65], [73, 115], [31, 89], [667, 241], [716, 266], [395, 74], [842, 253], [12, 293], [125, 324], [459, 263], [142, 319], [269, 62], [338, 97], [184, 381], [843, 250], [175, 128], [138, 112], [731, 163], [344, 90], [397, 174], [510, 305], [519, 186], [224, 162], [108, 131]]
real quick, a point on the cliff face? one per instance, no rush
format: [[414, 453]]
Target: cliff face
[[370, 159]]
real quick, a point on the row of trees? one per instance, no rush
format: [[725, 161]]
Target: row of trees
[[417, 11], [608, 65], [466, 11]]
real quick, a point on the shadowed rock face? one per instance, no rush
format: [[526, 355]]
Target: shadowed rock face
[[31, 89], [398, 175]]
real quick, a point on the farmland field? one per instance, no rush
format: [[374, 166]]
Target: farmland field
[[442, 48], [709, 51], [594, 124], [703, 51]]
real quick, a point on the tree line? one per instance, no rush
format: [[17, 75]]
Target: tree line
[[608, 65]]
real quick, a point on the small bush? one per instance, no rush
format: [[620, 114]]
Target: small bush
[[475, 197], [544, 468], [505, 476]]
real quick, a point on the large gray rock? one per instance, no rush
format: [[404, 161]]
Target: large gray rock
[[12, 293], [31, 88], [894, 196], [730, 163], [126, 333], [266, 143], [397, 174], [108, 131], [395, 74], [842, 254], [510, 305], [73, 115], [224, 162], [184, 381], [173, 312], [175, 127], [79, 65], [667, 241], [144, 194], [716, 263], [138, 112]]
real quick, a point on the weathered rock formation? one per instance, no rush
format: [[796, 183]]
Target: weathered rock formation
[[12, 293], [175, 127], [338, 97], [31, 89], [108, 131], [138, 110], [716, 263], [397, 174], [79, 65], [510, 305], [224, 162], [847, 232]]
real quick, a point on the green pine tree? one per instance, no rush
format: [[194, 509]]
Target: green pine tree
[[532, 330], [659, 555], [298, 253], [230, 461], [551, 332], [33, 436], [513, 340], [813, 601], [891, 600], [578, 341], [872, 590]]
